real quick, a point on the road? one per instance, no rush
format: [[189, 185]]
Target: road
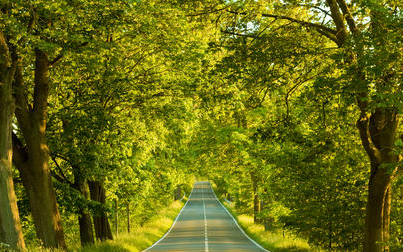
[[205, 225]]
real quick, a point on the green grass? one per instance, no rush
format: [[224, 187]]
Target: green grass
[[274, 240], [139, 239], [143, 237]]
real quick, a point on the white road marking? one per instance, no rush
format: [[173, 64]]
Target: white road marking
[[177, 217], [205, 224], [243, 232]]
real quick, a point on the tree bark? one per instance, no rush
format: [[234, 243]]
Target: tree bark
[[37, 182], [10, 226], [377, 131], [178, 192], [386, 217], [116, 218], [376, 233], [86, 230], [256, 202], [265, 220], [32, 159], [378, 134], [84, 218], [128, 216], [102, 228]]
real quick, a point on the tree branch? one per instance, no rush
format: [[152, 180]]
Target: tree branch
[[338, 20], [316, 7], [209, 12], [239, 34], [22, 110], [263, 30], [54, 155], [349, 18], [325, 31], [56, 60], [61, 178], [363, 128], [33, 20], [61, 55], [20, 154], [293, 88]]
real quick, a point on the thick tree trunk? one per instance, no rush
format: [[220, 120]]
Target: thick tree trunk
[[86, 230], [37, 182], [376, 216], [101, 223], [378, 135], [32, 159], [84, 218], [377, 131], [10, 227]]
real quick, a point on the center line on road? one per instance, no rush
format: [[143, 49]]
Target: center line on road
[[236, 223], [205, 223]]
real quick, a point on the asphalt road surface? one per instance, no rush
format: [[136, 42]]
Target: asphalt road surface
[[205, 225]]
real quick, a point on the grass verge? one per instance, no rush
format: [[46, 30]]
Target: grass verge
[[274, 240], [139, 239]]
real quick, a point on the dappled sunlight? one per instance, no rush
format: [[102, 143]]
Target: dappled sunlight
[[107, 247], [138, 240], [275, 240], [112, 111]]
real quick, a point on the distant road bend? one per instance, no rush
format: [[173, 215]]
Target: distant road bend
[[205, 225]]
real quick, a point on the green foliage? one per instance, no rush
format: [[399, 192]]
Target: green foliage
[[277, 240], [139, 239], [147, 95]]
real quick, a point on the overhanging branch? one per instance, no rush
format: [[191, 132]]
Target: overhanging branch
[[325, 31], [240, 34], [60, 177]]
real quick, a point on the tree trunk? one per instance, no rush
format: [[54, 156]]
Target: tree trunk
[[256, 202], [178, 193], [84, 218], [128, 216], [265, 220], [37, 182], [10, 227], [376, 233], [32, 159], [377, 129], [386, 216], [116, 218], [256, 208], [86, 230], [101, 223], [378, 135]]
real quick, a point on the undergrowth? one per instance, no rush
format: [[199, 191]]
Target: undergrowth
[[139, 239], [275, 240]]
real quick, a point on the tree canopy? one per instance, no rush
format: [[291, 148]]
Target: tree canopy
[[291, 108]]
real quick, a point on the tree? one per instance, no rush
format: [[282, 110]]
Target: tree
[[366, 34], [39, 31], [105, 102], [10, 227]]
